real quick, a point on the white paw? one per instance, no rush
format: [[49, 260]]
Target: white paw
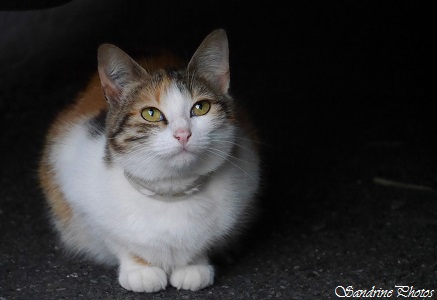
[[145, 279], [194, 277]]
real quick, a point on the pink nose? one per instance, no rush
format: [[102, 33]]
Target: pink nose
[[182, 135]]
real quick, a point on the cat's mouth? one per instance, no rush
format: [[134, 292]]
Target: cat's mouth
[[185, 156], [182, 156], [184, 150]]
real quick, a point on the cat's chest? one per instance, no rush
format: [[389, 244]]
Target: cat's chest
[[131, 215]]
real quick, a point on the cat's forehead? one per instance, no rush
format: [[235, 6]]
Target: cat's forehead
[[161, 92], [171, 88]]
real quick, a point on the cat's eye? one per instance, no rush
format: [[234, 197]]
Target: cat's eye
[[152, 114], [200, 108]]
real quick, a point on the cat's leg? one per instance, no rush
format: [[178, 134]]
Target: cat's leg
[[138, 275], [193, 277]]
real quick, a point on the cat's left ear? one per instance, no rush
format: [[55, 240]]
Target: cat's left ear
[[118, 73], [211, 60]]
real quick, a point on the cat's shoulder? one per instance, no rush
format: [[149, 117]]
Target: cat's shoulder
[[89, 103]]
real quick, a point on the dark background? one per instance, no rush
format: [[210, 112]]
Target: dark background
[[342, 93]]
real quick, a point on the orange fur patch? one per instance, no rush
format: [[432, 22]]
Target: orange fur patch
[[139, 260], [91, 101], [163, 86], [154, 64], [59, 206]]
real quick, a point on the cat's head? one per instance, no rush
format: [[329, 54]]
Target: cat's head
[[166, 123]]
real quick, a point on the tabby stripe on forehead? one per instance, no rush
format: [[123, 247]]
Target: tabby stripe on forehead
[[161, 81], [181, 86]]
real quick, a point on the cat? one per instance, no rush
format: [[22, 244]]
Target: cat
[[152, 167]]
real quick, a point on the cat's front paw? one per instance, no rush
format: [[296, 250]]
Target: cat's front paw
[[145, 279], [194, 277]]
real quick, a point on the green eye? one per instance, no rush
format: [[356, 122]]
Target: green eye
[[200, 108], [152, 114]]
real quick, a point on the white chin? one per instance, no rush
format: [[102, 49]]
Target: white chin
[[183, 159]]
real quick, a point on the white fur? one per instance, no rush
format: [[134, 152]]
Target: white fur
[[112, 220], [193, 277]]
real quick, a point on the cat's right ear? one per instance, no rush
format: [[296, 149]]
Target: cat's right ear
[[118, 73]]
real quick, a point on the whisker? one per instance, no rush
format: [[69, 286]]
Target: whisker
[[251, 140], [231, 156], [236, 144], [224, 157], [215, 135]]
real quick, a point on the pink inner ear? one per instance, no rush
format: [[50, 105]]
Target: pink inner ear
[[111, 91]]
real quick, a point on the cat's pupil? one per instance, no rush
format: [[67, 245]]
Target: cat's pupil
[[151, 112], [199, 106]]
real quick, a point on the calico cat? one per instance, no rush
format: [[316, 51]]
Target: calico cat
[[152, 167]]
